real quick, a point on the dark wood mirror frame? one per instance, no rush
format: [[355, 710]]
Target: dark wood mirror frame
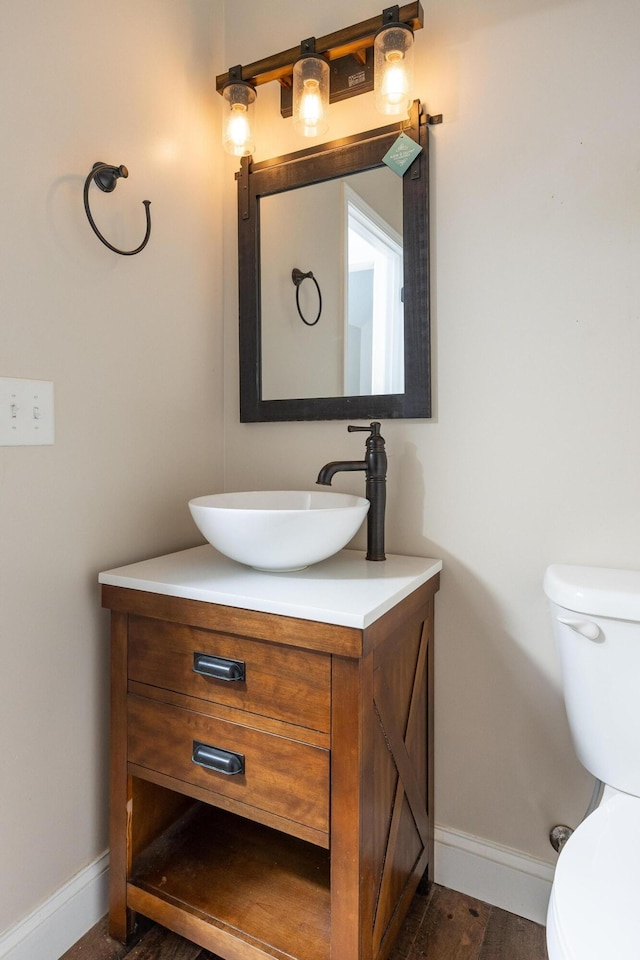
[[327, 162]]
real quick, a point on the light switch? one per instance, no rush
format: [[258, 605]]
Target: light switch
[[26, 412]]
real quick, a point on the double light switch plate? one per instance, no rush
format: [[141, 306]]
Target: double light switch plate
[[26, 412]]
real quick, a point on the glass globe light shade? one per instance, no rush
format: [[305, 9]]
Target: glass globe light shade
[[393, 70], [237, 134], [311, 96]]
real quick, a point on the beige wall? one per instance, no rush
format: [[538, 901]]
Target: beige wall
[[134, 347], [533, 454]]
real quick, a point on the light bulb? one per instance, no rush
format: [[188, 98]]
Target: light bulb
[[238, 129], [310, 96], [393, 69], [310, 104], [395, 85], [237, 135]]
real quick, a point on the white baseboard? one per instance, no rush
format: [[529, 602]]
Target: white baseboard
[[502, 877], [498, 875], [61, 920]]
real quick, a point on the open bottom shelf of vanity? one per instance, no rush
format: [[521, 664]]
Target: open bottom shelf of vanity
[[236, 886]]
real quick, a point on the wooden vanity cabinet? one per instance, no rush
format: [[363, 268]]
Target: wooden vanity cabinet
[[315, 848]]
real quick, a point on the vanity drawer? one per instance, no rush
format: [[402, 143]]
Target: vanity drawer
[[277, 681], [281, 776]]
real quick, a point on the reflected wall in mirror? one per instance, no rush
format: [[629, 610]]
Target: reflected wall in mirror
[[338, 212]]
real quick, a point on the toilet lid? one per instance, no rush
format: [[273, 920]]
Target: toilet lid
[[596, 888]]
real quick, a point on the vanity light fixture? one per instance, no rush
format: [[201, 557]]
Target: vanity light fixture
[[237, 133], [346, 59], [393, 65], [310, 91]]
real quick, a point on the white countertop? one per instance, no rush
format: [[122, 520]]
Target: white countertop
[[346, 589]]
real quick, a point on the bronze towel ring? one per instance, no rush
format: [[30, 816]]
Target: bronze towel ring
[[298, 276], [106, 176]]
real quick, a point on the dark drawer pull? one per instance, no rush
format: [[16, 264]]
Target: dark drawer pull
[[215, 758], [218, 667]]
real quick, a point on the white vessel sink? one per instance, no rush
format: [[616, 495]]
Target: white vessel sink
[[279, 530]]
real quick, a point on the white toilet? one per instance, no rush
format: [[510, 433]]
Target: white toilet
[[595, 898]]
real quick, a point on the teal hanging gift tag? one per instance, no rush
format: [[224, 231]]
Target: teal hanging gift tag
[[401, 155]]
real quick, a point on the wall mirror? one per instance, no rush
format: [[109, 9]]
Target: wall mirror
[[351, 341]]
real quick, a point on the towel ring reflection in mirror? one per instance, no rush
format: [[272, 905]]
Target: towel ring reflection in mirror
[[298, 278], [106, 177]]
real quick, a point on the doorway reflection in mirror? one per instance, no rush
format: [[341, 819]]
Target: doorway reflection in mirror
[[374, 360]]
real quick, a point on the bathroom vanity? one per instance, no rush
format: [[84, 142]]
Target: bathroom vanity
[[271, 751]]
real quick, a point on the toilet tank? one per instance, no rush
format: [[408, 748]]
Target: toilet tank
[[596, 621]]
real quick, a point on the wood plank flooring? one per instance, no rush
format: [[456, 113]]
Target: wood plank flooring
[[441, 925]]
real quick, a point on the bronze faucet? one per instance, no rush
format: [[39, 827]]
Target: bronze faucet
[[375, 468]]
